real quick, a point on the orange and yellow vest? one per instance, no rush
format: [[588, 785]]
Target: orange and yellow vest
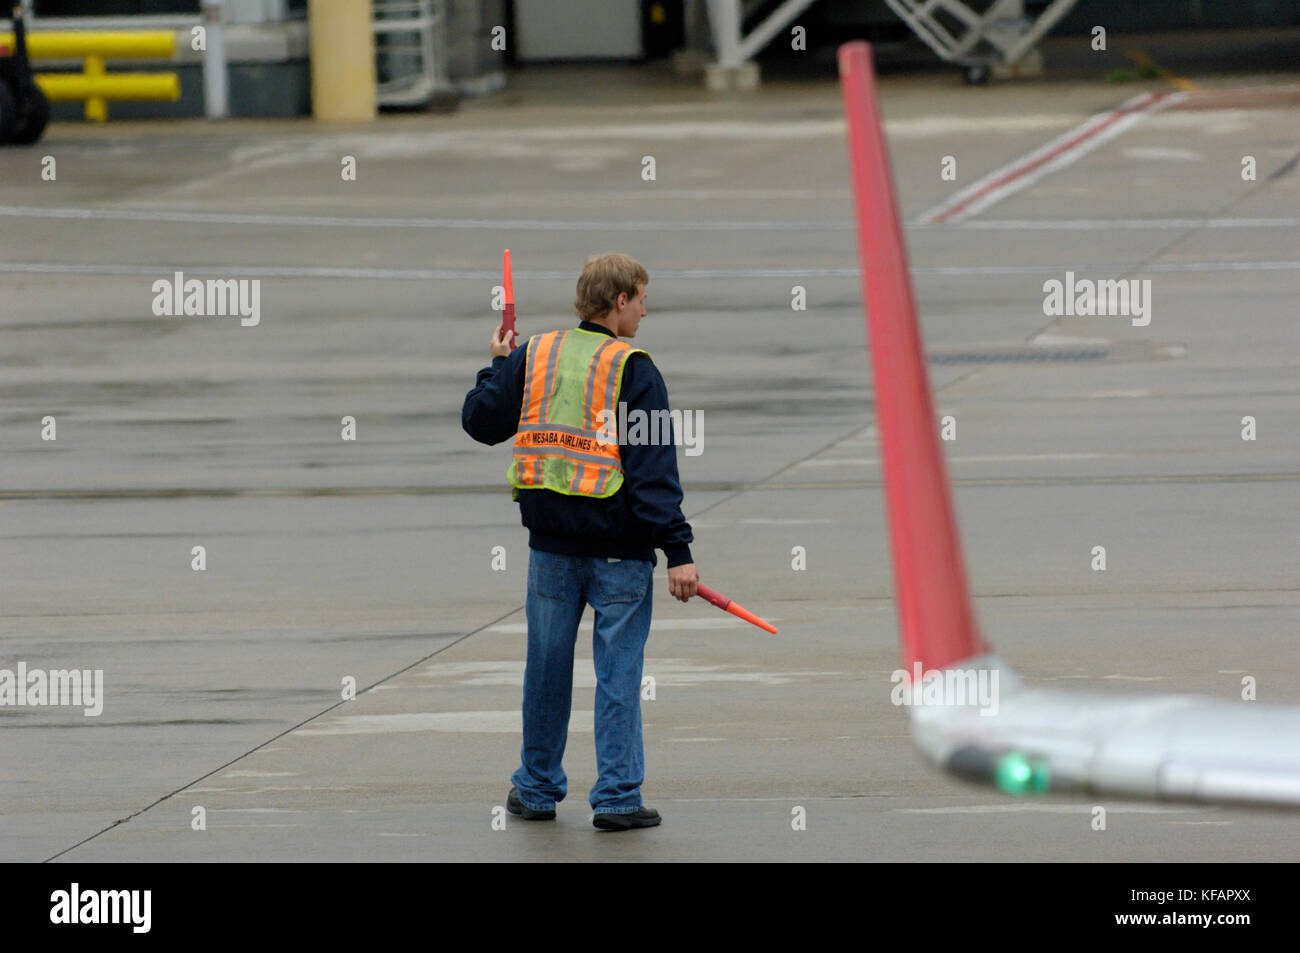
[[565, 443]]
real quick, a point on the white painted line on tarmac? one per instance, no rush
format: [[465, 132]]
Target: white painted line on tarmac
[[667, 672], [1190, 266], [477, 274], [1065, 340], [1063, 151], [273, 220], [984, 458], [727, 622], [1172, 267], [485, 722], [257, 810], [1162, 154], [1030, 808], [402, 274], [784, 522], [1110, 224], [398, 834], [191, 217], [1120, 678], [798, 798], [496, 141]]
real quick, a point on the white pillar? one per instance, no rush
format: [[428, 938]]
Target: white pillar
[[724, 19], [216, 83]]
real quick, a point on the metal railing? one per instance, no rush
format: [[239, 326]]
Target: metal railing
[[94, 84]]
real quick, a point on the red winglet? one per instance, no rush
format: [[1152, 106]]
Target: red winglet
[[935, 618]]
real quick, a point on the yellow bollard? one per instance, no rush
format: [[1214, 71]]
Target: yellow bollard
[[96, 106], [342, 60]]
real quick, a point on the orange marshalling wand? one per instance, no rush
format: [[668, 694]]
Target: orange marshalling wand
[[725, 604], [508, 313]]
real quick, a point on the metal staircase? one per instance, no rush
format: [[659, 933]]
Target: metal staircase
[[998, 36]]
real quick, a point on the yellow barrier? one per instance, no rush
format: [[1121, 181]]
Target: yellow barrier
[[95, 85], [75, 44]]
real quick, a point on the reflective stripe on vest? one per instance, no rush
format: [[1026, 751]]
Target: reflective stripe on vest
[[567, 439]]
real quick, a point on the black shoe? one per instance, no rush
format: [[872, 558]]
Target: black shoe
[[516, 806], [646, 817]]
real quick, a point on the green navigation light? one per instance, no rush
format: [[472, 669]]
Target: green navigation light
[[1017, 774]]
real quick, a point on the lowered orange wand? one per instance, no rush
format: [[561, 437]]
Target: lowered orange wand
[[725, 604]]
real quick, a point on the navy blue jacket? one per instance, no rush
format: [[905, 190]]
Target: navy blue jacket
[[646, 512]]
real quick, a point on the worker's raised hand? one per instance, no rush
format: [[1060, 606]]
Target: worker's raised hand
[[499, 346], [683, 581]]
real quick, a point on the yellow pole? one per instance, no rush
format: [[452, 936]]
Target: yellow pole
[[342, 60], [110, 44], [96, 106], [115, 87]]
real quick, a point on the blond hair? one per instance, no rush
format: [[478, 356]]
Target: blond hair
[[603, 279]]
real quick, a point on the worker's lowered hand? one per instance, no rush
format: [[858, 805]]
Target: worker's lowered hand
[[683, 581]]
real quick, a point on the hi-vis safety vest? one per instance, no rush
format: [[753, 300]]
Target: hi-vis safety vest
[[564, 443]]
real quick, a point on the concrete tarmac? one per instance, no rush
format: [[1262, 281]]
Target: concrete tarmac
[[372, 559]]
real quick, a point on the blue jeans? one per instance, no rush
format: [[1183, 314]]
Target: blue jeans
[[619, 593]]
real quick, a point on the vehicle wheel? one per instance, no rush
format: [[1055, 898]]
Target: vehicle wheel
[[8, 113], [976, 75], [33, 116]]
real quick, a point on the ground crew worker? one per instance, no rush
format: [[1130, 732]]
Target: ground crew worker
[[596, 509]]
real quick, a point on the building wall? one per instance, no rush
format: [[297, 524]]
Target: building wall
[[578, 29]]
